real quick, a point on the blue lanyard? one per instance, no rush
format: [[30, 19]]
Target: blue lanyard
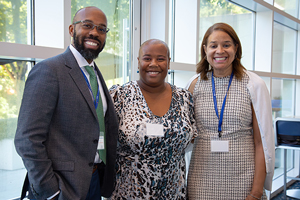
[[215, 101], [89, 86]]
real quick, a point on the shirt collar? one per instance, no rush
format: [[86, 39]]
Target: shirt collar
[[79, 58]]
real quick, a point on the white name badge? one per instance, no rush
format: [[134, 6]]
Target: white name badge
[[155, 130], [100, 143], [219, 146]]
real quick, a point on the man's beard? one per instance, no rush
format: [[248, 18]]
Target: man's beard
[[88, 54]]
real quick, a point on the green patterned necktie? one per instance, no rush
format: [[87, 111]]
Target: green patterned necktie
[[99, 110]]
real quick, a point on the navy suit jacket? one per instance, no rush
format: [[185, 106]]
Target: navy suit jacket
[[58, 130]]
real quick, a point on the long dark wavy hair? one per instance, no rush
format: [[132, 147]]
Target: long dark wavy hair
[[203, 66]]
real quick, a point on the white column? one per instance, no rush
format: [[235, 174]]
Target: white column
[[186, 47], [155, 20], [263, 42], [49, 26]]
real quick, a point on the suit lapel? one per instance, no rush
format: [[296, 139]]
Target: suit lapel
[[77, 76]]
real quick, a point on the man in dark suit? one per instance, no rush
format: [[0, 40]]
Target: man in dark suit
[[67, 151]]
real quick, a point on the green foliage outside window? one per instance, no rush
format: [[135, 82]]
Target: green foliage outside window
[[115, 11], [13, 21], [12, 81], [210, 8], [13, 29]]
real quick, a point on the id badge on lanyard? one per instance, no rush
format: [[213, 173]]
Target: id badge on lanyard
[[218, 145], [101, 141]]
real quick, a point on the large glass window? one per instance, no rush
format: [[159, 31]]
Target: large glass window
[[283, 105], [211, 12], [13, 21], [114, 60], [12, 80], [283, 97], [284, 49], [279, 162]]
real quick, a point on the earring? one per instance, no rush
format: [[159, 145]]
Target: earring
[[169, 72], [137, 71]]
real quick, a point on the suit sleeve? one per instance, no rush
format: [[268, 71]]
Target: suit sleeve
[[37, 108]]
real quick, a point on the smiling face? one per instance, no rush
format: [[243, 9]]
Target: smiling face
[[220, 50], [153, 63], [88, 42]]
